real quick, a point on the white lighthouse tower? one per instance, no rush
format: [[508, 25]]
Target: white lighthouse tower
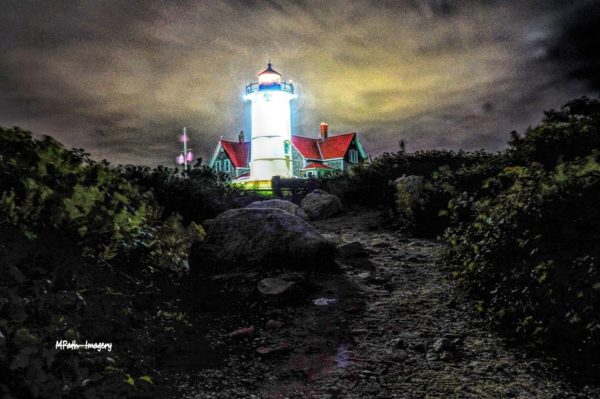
[[271, 127]]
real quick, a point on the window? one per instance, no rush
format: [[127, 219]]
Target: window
[[218, 166], [353, 156], [226, 165]]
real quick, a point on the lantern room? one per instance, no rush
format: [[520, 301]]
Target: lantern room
[[269, 76]]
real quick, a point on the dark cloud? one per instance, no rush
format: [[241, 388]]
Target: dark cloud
[[121, 77], [576, 46]]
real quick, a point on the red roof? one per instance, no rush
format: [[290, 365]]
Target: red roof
[[315, 165], [331, 147], [335, 146], [317, 149], [307, 147], [237, 152]]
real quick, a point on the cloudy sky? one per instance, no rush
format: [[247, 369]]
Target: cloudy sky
[[121, 77]]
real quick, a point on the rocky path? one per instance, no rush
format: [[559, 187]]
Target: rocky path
[[392, 325]]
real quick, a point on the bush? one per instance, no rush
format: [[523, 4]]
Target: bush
[[423, 202], [531, 256], [195, 195], [84, 255], [372, 184], [563, 135]]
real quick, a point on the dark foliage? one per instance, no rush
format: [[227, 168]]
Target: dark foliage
[[564, 135], [372, 184], [84, 255], [531, 255], [195, 195]]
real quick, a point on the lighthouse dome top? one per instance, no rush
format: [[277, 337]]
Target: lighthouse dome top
[[269, 76]]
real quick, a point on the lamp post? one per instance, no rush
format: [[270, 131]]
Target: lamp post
[[186, 155]]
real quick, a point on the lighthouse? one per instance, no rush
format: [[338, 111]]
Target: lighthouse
[[271, 125], [273, 149]]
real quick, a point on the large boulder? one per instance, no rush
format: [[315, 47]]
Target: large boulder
[[250, 237], [320, 204], [287, 206]]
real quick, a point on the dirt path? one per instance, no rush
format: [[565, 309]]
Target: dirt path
[[398, 329]]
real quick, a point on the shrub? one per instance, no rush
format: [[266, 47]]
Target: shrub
[[195, 195], [564, 135], [531, 256], [372, 184], [84, 254], [423, 209]]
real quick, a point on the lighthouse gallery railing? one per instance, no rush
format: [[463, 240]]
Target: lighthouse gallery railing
[[287, 87]]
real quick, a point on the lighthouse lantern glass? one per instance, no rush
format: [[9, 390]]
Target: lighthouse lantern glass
[[269, 78]]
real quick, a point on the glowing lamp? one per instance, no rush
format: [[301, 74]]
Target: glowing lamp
[[269, 76], [180, 159], [189, 156]]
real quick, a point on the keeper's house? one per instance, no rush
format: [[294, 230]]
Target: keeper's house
[[309, 157]]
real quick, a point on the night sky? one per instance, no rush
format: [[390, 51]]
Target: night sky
[[121, 77]]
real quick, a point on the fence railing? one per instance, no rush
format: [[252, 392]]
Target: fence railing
[[296, 187]]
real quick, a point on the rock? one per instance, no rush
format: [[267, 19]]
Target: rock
[[442, 344], [274, 286], [398, 343], [352, 249], [381, 244], [287, 206], [359, 263], [324, 301], [248, 237], [419, 347], [242, 332], [268, 350], [320, 204], [451, 303], [274, 324], [447, 356]]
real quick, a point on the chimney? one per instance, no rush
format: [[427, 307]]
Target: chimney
[[324, 127], [241, 136]]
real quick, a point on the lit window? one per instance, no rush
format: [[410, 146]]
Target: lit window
[[226, 165], [218, 166]]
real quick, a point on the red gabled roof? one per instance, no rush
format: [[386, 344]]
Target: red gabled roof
[[237, 152], [335, 146], [307, 147], [315, 165], [332, 147]]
